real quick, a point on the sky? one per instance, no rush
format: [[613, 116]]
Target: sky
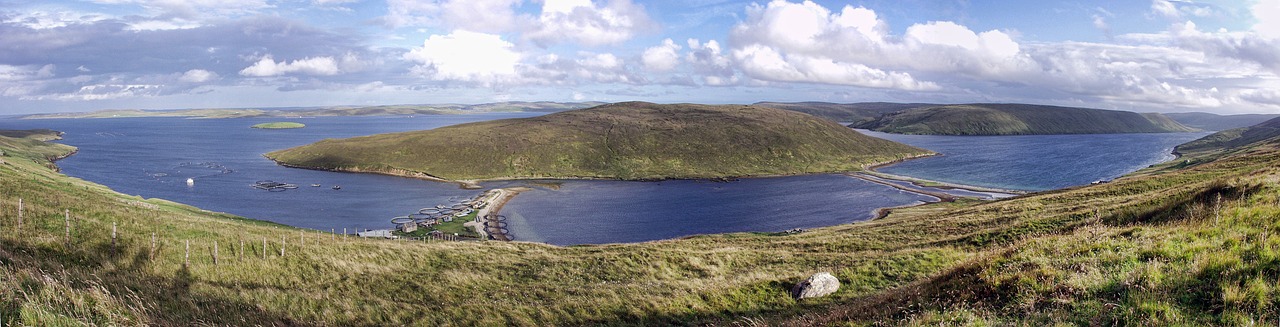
[[1159, 55]]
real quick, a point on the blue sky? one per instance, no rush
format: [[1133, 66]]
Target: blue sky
[[1159, 55]]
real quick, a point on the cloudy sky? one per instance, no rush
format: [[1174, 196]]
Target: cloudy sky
[[1161, 55]]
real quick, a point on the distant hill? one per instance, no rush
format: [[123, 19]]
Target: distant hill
[[1216, 122], [1018, 119], [631, 140], [333, 111], [1232, 138], [844, 112]]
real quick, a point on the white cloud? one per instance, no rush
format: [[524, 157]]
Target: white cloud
[[195, 8], [588, 23], [163, 25], [198, 76], [466, 56], [267, 66], [472, 15], [1166, 9], [708, 61], [40, 20], [662, 57], [1267, 14], [24, 73], [766, 63]]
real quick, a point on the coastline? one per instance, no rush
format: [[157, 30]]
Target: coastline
[[490, 228]]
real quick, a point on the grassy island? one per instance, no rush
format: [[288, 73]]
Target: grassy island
[[279, 125], [631, 140], [1019, 119]]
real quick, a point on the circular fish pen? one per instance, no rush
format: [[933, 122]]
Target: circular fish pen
[[402, 220], [273, 186]]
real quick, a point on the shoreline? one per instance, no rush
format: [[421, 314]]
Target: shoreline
[[489, 214]]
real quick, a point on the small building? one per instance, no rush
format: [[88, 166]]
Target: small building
[[408, 227]]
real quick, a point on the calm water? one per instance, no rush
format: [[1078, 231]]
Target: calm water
[[153, 157], [1034, 162]]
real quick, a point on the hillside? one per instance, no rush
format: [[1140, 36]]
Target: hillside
[[632, 140], [335, 111], [1018, 119], [1214, 122], [844, 112], [1181, 246], [1232, 138]]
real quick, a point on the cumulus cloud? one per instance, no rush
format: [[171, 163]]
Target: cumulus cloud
[[588, 23], [710, 63], [466, 56], [662, 57], [767, 64], [267, 66], [198, 76], [1267, 14]]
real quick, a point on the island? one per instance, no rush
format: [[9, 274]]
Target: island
[[627, 141], [1019, 119], [279, 125]]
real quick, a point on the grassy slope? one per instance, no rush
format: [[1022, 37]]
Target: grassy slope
[[1232, 138], [844, 112], [626, 140], [1215, 122], [279, 125], [1162, 250], [1016, 119]]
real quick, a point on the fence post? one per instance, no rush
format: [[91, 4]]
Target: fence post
[[113, 237], [302, 238], [264, 247], [282, 246], [19, 214], [215, 252], [240, 255], [332, 236], [152, 255], [67, 220], [344, 233], [186, 259]]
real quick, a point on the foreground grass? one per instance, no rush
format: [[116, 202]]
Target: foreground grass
[[1157, 249]]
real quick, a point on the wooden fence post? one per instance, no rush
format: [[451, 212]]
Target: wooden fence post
[[215, 252], [152, 255], [332, 236], [20, 207], [302, 238], [344, 233], [281, 246], [240, 254], [113, 237], [67, 220], [264, 247], [186, 259]]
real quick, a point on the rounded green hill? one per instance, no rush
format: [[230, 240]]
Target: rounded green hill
[[632, 140], [279, 125]]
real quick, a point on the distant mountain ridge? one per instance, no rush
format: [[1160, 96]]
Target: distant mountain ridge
[[1019, 119], [845, 112], [329, 111], [1216, 122], [628, 140], [1232, 138]]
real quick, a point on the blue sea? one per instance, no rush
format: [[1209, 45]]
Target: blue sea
[[154, 157]]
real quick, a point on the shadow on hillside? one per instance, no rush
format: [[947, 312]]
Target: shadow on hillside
[[166, 301]]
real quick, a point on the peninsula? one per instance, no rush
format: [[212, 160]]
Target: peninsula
[[630, 141], [1019, 119]]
